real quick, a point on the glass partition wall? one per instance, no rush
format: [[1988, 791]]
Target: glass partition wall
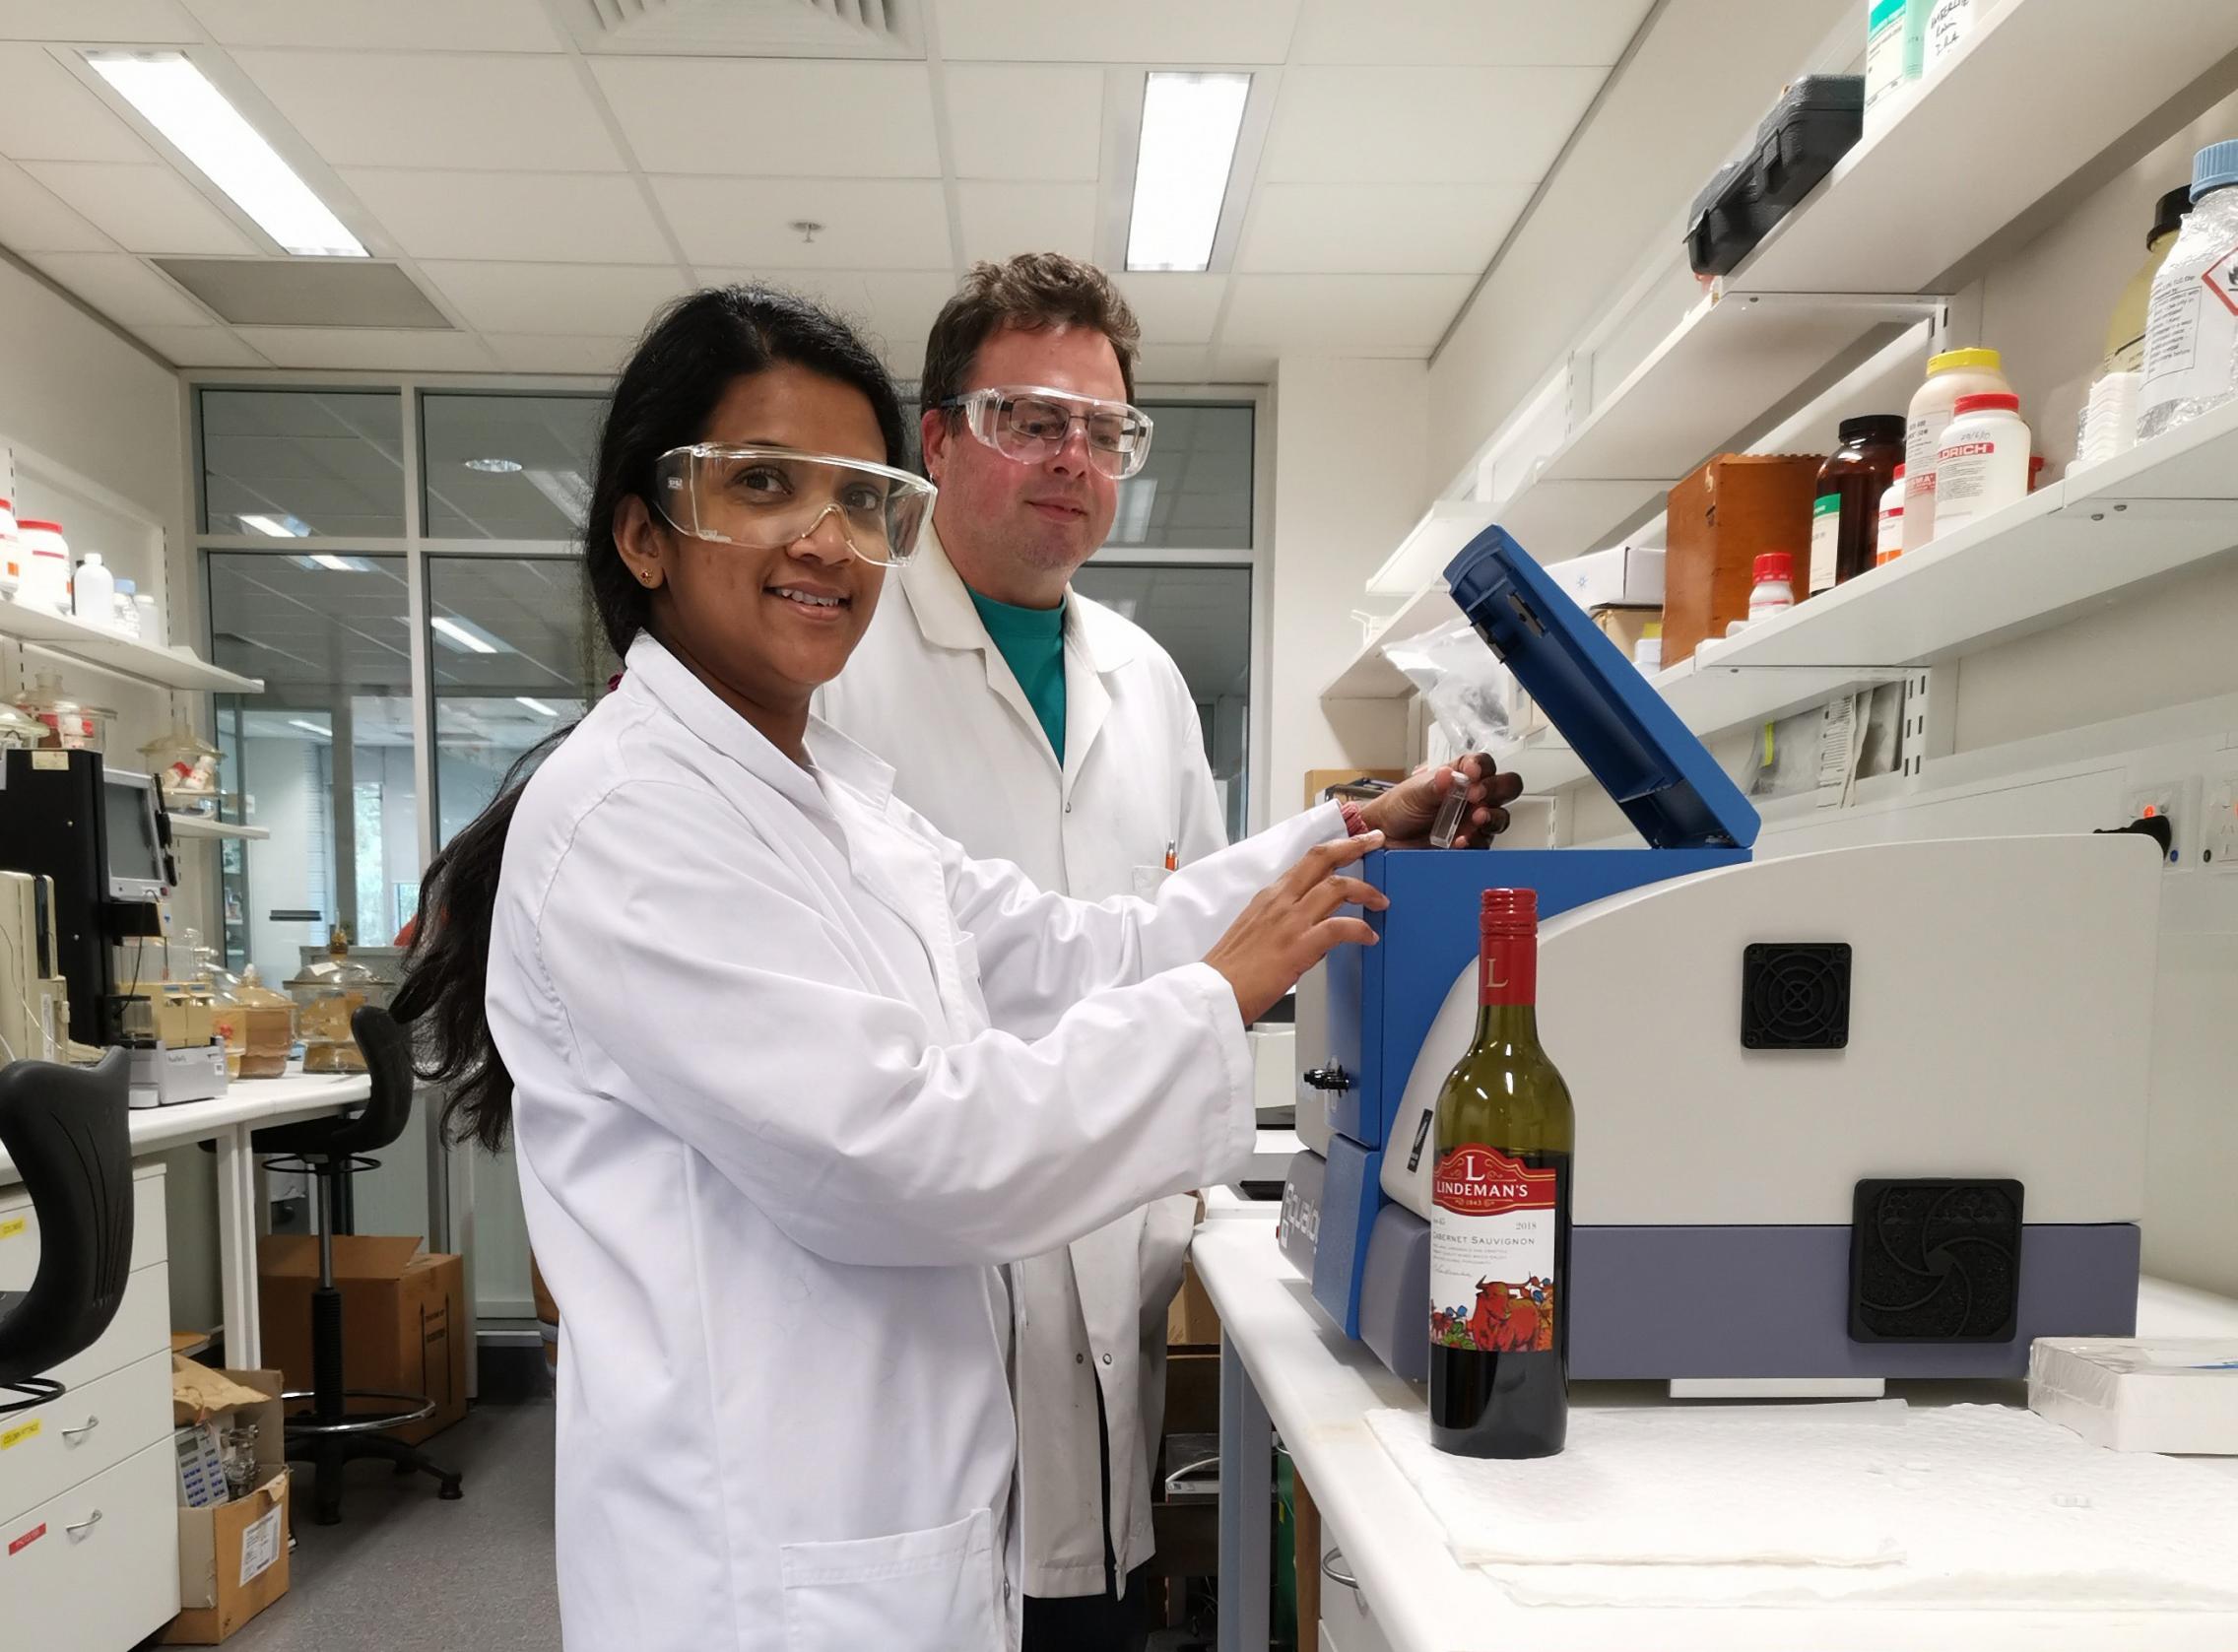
[[400, 564]]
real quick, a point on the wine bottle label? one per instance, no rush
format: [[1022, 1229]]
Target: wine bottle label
[[1492, 1222], [1507, 970]]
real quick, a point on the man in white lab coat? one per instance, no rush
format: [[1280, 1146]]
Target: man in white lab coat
[[1034, 725]]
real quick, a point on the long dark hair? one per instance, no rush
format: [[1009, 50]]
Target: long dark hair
[[688, 358]]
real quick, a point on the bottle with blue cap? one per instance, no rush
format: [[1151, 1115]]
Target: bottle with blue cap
[[2190, 332]]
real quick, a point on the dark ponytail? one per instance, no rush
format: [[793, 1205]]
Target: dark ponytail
[[688, 359]]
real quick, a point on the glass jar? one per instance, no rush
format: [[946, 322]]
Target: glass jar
[[18, 730], [328, 994], [261, 1031], [69, 724], [185, 768]]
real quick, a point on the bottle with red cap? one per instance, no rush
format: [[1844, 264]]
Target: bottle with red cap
[[1982, 464], [1500, 1213], [1774, 589]]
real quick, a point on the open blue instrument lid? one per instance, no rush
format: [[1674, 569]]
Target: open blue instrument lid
[[1662, 776]]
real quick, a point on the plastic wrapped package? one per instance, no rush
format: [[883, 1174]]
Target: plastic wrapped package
[[1472, 695]]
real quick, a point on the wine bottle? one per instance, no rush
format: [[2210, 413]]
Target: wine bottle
[[1500, 1215]]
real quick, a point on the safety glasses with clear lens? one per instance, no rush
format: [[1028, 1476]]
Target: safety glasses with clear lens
[[768, 497], [1028, 423]]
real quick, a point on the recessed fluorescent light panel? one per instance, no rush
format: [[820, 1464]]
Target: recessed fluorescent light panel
[[1190, 126], [536, 706], [492, 467], [465, 636], [309, 727], [276, 525], [334, 564], [173, 97]]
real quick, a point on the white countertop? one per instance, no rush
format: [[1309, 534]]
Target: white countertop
[[1270, 1155], [1317, 1386], [252, 1101]]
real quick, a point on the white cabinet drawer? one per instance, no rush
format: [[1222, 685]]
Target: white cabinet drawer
[[19, 1227], [46, 1450], [98, 1566], [142, 1326], [1347, 1625]]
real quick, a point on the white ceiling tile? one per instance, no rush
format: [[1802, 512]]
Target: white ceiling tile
[[1174, 307], [560, 351], [137, 22], [1511, 32], [449, 110], [200, 347], [1026, 122], [1425, 228], [144, 209], [49, 114], [1166, 32], [532, 216], [1342, 314], [899, 224], [1244, 366], [1423, 125], [1002, 220], [1172, 363], [606, 299], [31, 220], [789, 119], [123, 289], [370, 349], [365, 25], [892, 309]]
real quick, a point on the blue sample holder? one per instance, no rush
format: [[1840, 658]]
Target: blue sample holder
[[1383, 999]]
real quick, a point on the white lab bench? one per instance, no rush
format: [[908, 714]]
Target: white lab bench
[[229, 1120], [1284, 1368]]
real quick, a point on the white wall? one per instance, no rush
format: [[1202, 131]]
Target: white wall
[[1350, 480]]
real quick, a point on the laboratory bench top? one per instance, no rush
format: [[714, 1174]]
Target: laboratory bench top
[[1316, 1386], [254, 1103]]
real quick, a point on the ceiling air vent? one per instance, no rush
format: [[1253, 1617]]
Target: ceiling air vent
[[305, 293], [748, 28]]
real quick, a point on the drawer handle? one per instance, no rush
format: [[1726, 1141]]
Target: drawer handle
[[1333, 1569], [90, 1425], [86, 1525]]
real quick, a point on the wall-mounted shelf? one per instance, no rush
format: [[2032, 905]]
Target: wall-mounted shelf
[[203, 825], [2086, 540], [105, 651]]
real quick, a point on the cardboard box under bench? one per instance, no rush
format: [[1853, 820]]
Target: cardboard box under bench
[[405, 1322], [232, 1557]]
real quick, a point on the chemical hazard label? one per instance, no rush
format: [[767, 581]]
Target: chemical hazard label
[[2221, 279]]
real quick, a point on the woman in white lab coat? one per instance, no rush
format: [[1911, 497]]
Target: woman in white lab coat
[[743, 1014]]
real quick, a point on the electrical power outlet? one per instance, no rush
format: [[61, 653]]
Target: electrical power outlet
[[2218, 825], [2176, 802]]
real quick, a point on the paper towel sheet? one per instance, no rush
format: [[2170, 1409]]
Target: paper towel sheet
[[1964, 1506]]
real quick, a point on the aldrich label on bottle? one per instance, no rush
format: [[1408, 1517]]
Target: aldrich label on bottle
[[1492, 1260]]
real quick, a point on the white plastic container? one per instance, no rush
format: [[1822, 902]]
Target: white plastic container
[[1774, 589], [148, 623], [1983, 463], [1948, 22], [93, 592], [2127, 1394], [46, 567], [2190, 332], [1647, 652], [1953, 373], [1888, 543], [11, 551], [124, 611], [1896, 51]]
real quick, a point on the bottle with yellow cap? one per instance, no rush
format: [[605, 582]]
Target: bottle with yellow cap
[[1950, 376]]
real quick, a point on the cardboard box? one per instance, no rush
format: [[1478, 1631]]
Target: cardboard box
[[405, 1321], [1192, 1322], [1318, 780], [1722, 517], [1628, 574], [232, 1558]]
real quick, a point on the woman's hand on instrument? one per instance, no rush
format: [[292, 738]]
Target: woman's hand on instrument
[[1405, 812], [1293, 923]]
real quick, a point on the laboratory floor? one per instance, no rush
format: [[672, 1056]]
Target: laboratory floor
[[408, 1573]]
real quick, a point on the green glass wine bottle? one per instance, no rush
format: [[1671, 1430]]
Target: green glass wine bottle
[[1500, 1215]]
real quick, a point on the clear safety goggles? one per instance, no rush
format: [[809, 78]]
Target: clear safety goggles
[[1028, 423], [768, 497]]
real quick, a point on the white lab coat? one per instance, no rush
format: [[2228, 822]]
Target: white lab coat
[[772, 1149], [928, 691]]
